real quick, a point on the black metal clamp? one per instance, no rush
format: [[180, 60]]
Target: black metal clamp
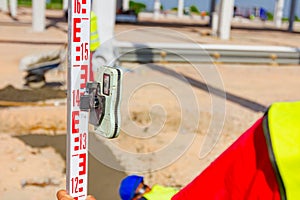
[[93, 101]]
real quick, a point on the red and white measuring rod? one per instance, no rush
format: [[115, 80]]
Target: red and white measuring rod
[[78, 75]]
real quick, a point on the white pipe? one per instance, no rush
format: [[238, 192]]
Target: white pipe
[[13, 7], [125, 5], [225, 18], [38, 15], [65, 4], [278, 13], [180, 8], [3, 5], [106, 15], [156, 9], [215, 21]]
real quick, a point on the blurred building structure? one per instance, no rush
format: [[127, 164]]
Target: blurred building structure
[[106, 13]]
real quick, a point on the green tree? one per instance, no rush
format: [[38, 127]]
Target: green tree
[[194, 9], [136, 7]]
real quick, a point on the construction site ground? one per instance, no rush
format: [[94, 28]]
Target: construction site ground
[[33, 130]]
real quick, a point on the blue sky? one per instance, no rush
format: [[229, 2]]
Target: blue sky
[[205, 4]]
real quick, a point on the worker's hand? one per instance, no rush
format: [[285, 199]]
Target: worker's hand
[[62, 195]]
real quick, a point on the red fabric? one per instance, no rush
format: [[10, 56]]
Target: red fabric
[[243, 171]]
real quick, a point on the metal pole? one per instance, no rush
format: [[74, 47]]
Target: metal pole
[[106, 15], [125, 5], [278, 13], [214, 25], [225, 17], [212, 10], [3, 5], [65, 5], [292, 15], [180, 8], [156, 9], [13, 8], [38, 15]]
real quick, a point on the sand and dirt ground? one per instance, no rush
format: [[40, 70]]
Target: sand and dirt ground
[[33, 122]]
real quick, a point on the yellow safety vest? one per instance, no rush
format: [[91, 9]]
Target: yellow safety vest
[[159, 192], [94, 37], [282, 131]]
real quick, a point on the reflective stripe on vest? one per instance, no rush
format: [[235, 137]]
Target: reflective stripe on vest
[[159, 192], [284, 131], [94, 37]]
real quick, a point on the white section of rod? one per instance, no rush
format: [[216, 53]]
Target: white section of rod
[[38, 15]]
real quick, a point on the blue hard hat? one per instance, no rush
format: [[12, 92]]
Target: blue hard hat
[[129, 185]]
